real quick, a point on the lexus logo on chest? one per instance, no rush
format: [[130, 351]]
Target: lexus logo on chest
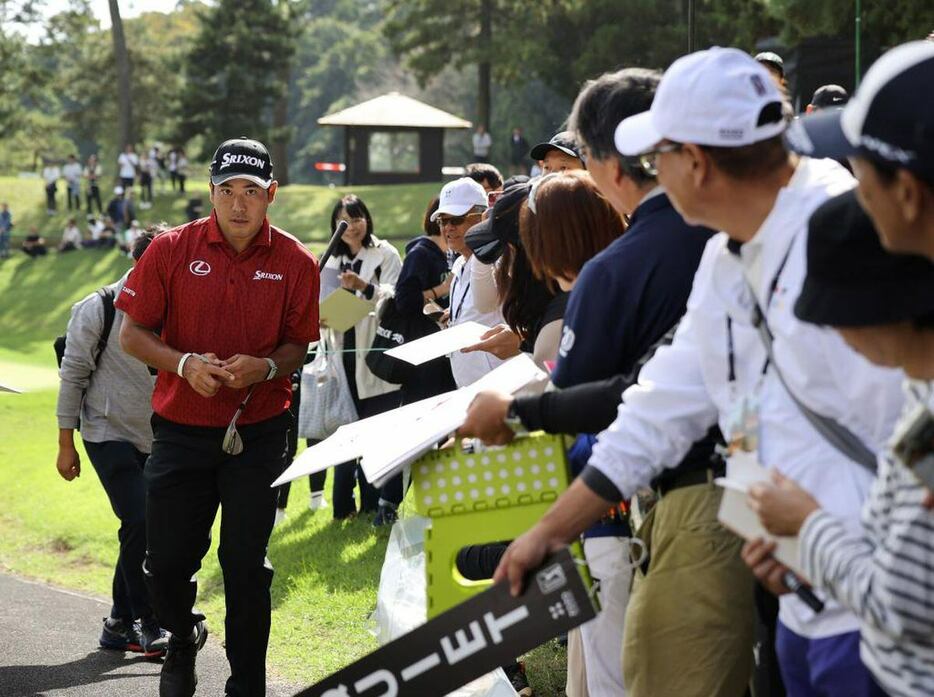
[[199, 267]]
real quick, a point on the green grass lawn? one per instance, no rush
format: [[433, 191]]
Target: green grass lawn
[[65, 533]]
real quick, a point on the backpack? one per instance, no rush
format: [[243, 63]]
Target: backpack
[[107, 296]]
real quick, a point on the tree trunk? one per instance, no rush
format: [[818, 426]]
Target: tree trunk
[[280, 128], [484, 68], [281, 134], [124, 96]]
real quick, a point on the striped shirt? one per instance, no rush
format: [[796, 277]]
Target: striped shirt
[[884, 573]]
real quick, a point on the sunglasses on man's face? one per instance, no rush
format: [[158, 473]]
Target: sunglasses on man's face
[[454, 220]]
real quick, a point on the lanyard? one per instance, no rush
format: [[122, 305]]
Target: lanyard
[[456, 310], [731, 354]]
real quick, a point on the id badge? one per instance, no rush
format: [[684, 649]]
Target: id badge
[[743, 424]]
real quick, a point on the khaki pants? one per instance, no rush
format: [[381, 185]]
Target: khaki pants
[[689, 625]]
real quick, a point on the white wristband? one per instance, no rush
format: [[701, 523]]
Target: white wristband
[[181, 364]]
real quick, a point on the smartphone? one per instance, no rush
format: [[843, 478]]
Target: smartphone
[[913, 444]]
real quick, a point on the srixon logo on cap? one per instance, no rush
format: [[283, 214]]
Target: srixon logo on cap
[[229, 159]]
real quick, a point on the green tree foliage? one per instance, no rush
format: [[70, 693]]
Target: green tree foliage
[[885, 23], [231, 74]]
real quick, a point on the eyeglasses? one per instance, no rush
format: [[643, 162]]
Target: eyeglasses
[[454, 220], [233, 443], [649, 160]]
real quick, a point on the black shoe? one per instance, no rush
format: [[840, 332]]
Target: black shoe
[[153, 640], [516, 674], [178, 677], [385, 515], [118, 635]]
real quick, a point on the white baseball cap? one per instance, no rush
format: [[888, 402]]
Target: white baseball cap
[[714, 97], [459, 197]]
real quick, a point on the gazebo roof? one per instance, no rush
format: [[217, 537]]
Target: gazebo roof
[[395, 110]]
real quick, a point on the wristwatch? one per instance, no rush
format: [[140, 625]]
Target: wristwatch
[[513, 420], [273, 368]]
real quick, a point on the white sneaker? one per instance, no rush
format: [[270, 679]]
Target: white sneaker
[[280, 517], [317, 501]]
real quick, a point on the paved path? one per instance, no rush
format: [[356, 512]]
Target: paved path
[[48, 648]]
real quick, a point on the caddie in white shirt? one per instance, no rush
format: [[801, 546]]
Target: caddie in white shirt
[[713, 137], [461, 204]]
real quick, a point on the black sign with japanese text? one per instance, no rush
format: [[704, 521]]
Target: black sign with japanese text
[[469, 640]]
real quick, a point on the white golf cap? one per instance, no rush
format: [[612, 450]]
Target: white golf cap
[[459, 196], [714, 97]]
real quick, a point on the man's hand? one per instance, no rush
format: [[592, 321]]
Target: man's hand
[[245, 370], [486, 419], [205, 378], [758, 556], [525, 554], [68, 463], [783, 507], [501, 341]]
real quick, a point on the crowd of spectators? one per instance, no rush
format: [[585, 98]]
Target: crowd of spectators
[[714, 286]]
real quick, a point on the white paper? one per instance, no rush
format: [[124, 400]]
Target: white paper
[[330, 281], [393, 445], [347, 443], [440, 343], [7, 388], [743, 470]]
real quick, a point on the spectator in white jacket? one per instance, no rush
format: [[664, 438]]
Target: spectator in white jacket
[[368, 267], [883, 306], [713, 137], [462, 202]]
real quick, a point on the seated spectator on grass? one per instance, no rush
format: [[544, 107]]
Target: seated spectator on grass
[[34, 243], [486, 175], [108, 234], [71, 237]]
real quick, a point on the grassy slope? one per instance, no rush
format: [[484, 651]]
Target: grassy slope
[[327, 573], [302, 210]]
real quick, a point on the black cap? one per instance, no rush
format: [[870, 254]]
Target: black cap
[[829, 96], [563, 141], [515, 180], [773, 59], [489, 237], [851, 280], [890, 119], [242, 158]]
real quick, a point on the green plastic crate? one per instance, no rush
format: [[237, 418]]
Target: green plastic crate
[[476, 498]]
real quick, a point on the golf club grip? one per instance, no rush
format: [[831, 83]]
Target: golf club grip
[[332, 245]]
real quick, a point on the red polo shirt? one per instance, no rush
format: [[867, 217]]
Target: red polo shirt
[[209, 299]]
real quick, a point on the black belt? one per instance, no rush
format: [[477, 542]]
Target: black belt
[[691, 478]]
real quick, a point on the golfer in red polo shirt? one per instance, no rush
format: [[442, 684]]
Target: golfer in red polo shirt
[[224, 307]]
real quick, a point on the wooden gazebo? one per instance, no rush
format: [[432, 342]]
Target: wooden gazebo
[[393, 139]]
